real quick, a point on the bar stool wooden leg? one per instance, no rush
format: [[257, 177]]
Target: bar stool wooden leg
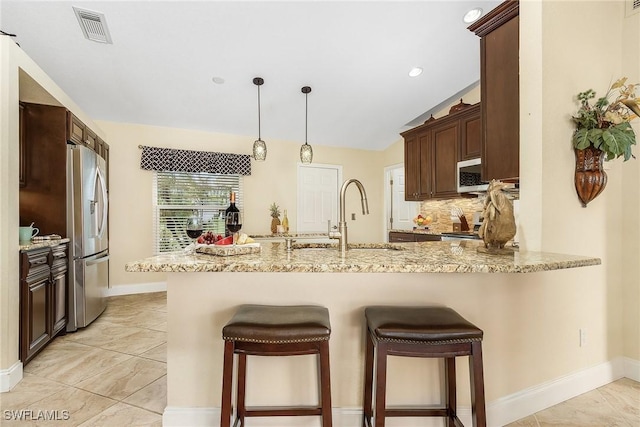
[[450, 389], [368, 381], [242, 387], [478, 410], [325, 384], [227, 382], [381, 384]]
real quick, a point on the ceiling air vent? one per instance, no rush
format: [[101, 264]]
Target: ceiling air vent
[[633, 6], [93, 25]]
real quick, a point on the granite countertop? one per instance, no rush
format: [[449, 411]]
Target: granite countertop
[[283, 236], [43, 244], [424, 257]]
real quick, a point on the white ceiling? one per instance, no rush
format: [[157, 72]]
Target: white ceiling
[[355, 55]]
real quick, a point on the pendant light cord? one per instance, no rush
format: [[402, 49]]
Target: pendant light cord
[[306, 91], [259, 137]]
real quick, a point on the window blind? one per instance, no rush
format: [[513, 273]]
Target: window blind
[[180, 195]]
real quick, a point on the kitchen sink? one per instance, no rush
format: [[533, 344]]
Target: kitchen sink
[[350, 246]]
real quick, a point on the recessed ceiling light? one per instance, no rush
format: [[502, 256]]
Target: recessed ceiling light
[[415, 72], [472, 15], [218, 80]]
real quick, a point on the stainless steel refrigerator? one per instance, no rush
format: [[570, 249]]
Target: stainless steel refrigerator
[[87, 224]]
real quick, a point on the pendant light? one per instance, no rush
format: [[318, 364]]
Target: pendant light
[[306, 152], [259, 146]]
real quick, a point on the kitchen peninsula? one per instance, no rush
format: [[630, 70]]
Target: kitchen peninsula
[[516, 311]]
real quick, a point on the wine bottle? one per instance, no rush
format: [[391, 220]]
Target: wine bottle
[[232, 208], [285, 222]]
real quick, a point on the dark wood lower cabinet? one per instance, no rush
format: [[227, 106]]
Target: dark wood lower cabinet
[[59, 266], [399, 236], [43, 289]]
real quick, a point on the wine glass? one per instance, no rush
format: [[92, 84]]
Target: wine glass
[[194, 228], [234, 224]]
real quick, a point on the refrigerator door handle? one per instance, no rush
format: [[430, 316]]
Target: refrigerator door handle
[[105, 202], [98, 260]]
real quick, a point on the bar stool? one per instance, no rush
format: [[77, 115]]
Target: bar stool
[[421, 332], [262, 330]]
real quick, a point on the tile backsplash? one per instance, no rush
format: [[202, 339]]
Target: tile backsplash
[[440, 211]]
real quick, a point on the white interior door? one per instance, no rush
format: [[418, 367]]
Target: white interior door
[[317, 197], [399, 213]]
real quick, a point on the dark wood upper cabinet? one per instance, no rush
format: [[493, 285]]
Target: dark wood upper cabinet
[[433, 149], [471, 136], [417, 162], [47, 131], [22, 149], [444, 141], [75, 129], [43, 198], [499, 79], [91, 140], [411, 168]]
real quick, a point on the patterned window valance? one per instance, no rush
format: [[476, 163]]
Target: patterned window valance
[[169, 159]]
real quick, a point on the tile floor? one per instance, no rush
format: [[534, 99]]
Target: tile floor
[[113, 373]]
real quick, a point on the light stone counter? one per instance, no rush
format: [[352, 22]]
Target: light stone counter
[[423, 257], [43, 244]]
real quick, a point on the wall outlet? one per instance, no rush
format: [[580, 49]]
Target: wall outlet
[[353, 217], [583, 337]]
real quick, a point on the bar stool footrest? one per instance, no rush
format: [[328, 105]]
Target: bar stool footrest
[[282, 411], [417, 412]]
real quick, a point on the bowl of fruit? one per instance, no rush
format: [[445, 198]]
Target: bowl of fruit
[[209, 238], [422, 221], [215, 244]]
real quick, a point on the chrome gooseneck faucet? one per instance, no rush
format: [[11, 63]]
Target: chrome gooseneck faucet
[[341, 235]]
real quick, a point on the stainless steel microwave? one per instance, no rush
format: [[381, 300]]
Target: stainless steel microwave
[[468, 178]]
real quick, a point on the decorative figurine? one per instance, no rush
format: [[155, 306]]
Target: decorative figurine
[[499, 225]]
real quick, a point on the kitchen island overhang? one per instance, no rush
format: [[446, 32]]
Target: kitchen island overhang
[[526, 319], [424, 257]]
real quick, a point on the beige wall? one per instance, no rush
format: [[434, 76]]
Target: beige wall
[[275, 180], [631, 203], [8, 208], [553, 71], [596, 229]]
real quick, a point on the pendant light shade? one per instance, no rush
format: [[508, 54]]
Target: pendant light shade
[[306, 152], [259, 146]]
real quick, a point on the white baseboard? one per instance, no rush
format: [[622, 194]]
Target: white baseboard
[[10, 377], [139, 288], [190, 417], [526, 402], [500, 412], [632, 369]]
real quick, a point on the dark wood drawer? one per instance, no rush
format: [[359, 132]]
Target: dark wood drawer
[[396, 237], [399, 236], [427, 237]]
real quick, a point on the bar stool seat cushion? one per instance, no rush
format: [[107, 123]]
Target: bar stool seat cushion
[[429, 325], [278, 324]]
